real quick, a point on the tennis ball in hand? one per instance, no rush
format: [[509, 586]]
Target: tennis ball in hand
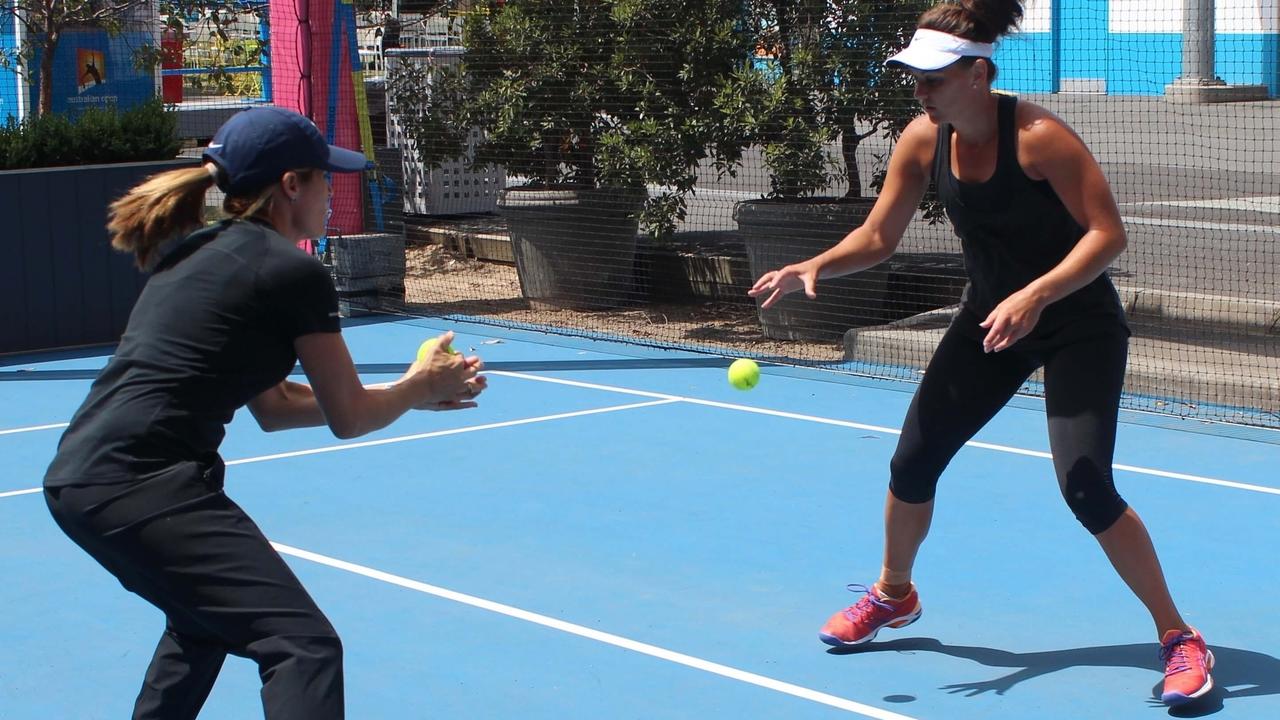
[[744, 374], [425, 349]]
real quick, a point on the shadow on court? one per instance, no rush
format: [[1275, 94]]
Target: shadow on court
[[1237, 673]]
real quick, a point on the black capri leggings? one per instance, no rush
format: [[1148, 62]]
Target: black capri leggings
[[964, 387], [178, 541]]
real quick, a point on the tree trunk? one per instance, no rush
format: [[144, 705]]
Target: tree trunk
[[48, 47], [849, 142]]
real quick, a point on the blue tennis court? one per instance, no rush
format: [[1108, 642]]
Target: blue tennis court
[[616, 532]]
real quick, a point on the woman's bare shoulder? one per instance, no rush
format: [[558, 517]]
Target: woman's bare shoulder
[[1046, 141], [919, 139], [1037, 124]]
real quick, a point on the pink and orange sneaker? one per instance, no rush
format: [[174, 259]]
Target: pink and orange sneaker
[[1187, 663], [860, 622]]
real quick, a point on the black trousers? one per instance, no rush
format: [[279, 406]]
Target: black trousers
[[964, 387], [175, 539]]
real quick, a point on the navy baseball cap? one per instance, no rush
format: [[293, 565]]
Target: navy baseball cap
[[255, 147]]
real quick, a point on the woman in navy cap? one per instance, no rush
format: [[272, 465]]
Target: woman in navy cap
[[1039, 226], [228, 310]]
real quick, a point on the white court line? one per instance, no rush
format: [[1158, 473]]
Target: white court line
[[33, 428], [442, 433], [15, 493], [1197, 479], [597, 635], [419, 436], [1140, 470], [896, 431], [587, 385], [615, 640], [664, 398]]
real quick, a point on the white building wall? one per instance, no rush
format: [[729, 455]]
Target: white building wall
[[1165, 16], [1037, 16]]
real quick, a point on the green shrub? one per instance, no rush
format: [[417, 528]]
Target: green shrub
[[97, 136], [615, 93]]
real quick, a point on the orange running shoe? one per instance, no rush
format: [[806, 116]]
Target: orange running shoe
[[1187, 663], [860, 622]]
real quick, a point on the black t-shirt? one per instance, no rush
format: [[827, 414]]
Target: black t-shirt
[[1013, 230], [213, 328]]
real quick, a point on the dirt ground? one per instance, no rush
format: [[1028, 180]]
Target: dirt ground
[[440, 282]]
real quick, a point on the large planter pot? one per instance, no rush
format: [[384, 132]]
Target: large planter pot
[[782, 232], [922, 282], [574, 247], [61, 284]]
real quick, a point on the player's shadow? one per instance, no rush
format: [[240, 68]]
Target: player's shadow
[[1237, 673]]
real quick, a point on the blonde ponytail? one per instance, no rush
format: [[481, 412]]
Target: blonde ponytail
[[243, 208], [159, 208], [170, 204]]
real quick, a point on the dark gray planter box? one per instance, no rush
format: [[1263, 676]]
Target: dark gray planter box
[[698, 266], [61, 284], [574, 248], [780, 232]]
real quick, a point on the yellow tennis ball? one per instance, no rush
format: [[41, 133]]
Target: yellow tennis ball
[[425, 349], [744, 374]]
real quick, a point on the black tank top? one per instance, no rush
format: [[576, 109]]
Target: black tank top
[[1012, 230]]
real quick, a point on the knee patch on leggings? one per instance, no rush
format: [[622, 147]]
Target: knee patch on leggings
[[912, 479], [1091, 494]]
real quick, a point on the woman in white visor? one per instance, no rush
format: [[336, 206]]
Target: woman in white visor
[[1039, 227]]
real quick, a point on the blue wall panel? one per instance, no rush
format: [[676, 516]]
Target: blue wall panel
[[1081, 27], [1249, 60], [1143, 64], [1134, 63], [1025, 63]]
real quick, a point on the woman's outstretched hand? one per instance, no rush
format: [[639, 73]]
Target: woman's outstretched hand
[[776, 283], [446, 380]]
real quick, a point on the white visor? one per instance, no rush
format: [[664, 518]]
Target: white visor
[[934, 50]]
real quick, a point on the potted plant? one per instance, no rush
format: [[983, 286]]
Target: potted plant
[[603, 110], [823, 90], [62, 163], [62, 282]]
